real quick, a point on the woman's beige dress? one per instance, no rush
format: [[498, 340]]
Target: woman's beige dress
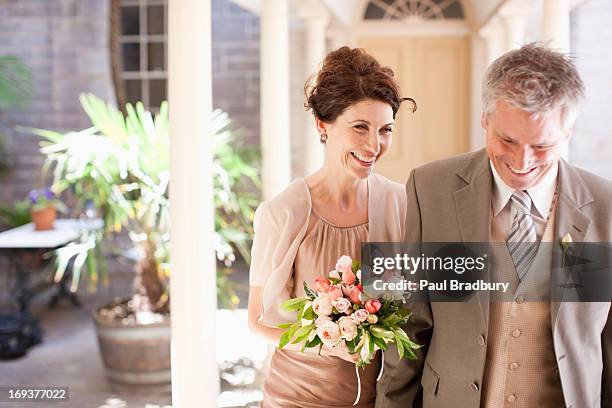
[[292, 244], [297, 379]]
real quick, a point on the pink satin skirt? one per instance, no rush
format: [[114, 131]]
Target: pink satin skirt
[[307, 380]]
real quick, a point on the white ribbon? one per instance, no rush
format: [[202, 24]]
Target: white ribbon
[[382, 365], [358, 386]]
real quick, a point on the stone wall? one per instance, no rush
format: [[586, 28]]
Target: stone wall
[[65, 44]]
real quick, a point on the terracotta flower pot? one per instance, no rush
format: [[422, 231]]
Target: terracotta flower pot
[[43, 219]]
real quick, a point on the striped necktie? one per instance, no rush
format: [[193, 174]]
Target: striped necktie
[[522, 240]]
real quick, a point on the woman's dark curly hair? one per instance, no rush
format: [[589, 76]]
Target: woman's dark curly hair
[[350, 75]]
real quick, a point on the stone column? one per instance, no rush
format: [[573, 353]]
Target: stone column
[[275, 132], [494, 36], [315, 24], [556, 34], [193, 285], [556, 24], [514, 15]]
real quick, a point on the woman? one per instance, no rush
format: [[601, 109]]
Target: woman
[[300, 233]]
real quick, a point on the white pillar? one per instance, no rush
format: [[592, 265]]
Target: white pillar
[[494, 37], [338, 37], [479, 65], [275, 132], [556, 34], [556, 24], [193, 285], [315, 38], [514, 15]]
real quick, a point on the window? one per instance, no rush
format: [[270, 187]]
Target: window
[[138, 47], [424, 9]]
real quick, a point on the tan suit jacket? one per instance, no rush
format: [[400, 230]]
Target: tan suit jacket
[[449, 201]]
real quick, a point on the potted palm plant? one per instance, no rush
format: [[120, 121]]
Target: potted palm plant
[[120, 168]]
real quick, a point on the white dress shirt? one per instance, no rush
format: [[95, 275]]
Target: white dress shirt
[[541, 194]]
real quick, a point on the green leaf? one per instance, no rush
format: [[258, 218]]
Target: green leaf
[[294, 304], [309, 314], [356, 265], [314, 342], [381, 333], [380, 343], [309, 292], [285, 325], [288, 335], [351, 344], [400, 346], [302, 334], [402, 335], [409, 352]]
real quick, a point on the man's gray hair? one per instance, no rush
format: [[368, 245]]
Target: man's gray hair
[[535, 79]]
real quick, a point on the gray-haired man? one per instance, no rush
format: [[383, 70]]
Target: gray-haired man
[[514, 353]]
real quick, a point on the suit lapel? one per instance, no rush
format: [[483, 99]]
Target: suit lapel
[[473, 206], [573, 195]]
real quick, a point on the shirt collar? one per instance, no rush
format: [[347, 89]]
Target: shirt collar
[[541, 194]]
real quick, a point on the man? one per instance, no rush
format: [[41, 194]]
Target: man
[[518, 353]]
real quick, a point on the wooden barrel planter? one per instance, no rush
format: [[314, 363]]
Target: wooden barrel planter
[[135, 354]]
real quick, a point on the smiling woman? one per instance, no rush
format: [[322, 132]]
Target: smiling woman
[[300, 233]]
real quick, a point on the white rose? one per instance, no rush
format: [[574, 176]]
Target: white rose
[[322, 305], [329, 333], [360, 316], [322, 319], [397, 294], [344, 264], [342, 304], [348, 328], [358, 275], [335, 274]]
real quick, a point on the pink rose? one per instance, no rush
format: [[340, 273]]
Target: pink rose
[[342, 305], [344, 264], [372, 305], [348, 328], [348, 277], [355, 295], [329, 333], [334, 292], [322, 305], [360, 316], [321, 284], [334, 274]]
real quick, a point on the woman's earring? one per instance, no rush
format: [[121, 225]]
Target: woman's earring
[[323, 137]]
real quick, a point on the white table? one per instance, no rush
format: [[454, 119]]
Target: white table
[[23, 240], [66, 231]]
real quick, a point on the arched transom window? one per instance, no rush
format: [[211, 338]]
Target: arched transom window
[[405, 9]]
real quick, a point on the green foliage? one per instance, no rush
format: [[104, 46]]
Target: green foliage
[[379, 333], [121, 168], [15, 215], [15, 83], [15, 92]]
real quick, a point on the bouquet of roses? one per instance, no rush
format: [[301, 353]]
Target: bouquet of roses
[[338, 311]]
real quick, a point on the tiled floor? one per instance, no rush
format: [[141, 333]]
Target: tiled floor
[[69, 357]]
